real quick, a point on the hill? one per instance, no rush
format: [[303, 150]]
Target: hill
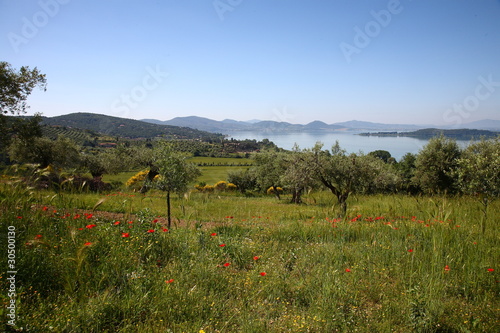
[[427, 133], [229, 125], [128, 128]]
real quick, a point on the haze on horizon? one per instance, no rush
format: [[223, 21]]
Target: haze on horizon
[[390, 61]]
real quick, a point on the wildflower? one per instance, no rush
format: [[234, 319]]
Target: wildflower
[[89, 216], [77, 216], [263, 273], [227, 264], [256, 258], [130, 222], [38, 236], [447, 268], [348, 270], [222, 245], [116, 223], [87, 244], [410, 250], [165, 230], [213, 234], [45, 208], [169, 281], [491, 270], [125, 234], [90, 226], [151, 231], [155, 221]]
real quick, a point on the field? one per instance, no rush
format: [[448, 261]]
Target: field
[[107, 263]]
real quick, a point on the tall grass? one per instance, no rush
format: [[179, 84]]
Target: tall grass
[[238, 264]]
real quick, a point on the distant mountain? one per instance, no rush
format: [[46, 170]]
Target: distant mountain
[[130, 128], [229, 125], [486, 124], [366, 125]]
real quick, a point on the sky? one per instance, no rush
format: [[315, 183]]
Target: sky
[[389, 61]]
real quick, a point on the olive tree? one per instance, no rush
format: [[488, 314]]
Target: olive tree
[[344, 174], [435, 166], [269, 167], [299, 174], [60, 153], [175, 173], [478, 171], [15, 87]]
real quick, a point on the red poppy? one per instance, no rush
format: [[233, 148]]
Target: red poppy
[[227, 264], [125, 234], [130, 222], [256, 258], [77, 216], [45, 208], [38, 236], [87, 244], [80, 228], [89, 216], [348, 270], [19, 217], [213, 234], [410, 250], [491, 270], [151, 231], [263, 273], [222, 245], [447, 268], [155, 220], [165, 230], [116, 223], [169, 281], [90, 226]]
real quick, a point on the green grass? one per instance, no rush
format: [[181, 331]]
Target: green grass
[[395, 264], [220, 161]]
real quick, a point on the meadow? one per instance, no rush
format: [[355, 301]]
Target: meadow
[[232, 263]]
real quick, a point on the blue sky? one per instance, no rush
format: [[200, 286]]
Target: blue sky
[[407, 61]]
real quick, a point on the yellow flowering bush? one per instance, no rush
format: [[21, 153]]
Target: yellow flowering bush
[[271, 190], [137, 179]]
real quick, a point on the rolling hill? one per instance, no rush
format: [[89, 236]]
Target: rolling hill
[[129, 128]]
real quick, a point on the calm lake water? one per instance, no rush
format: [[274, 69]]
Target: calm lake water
[[352, 143]]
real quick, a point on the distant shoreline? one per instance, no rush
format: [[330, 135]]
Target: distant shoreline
[[428, 133]]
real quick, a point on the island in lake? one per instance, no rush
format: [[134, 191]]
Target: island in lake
[[428, 133]]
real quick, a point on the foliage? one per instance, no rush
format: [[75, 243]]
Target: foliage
[[245, 180], [268, 168], [436, 164], [175, 173], [344, 174], [478, 168], [299, 174], [16, 86], [61, 153]]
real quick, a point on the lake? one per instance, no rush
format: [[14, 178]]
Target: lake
[[350, 141]]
